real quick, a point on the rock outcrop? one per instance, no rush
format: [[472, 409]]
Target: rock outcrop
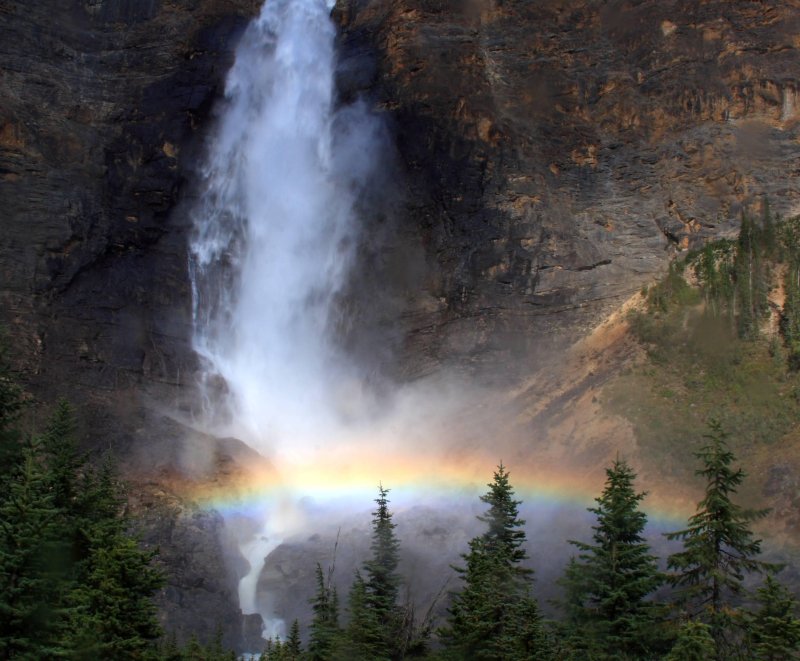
[[557, 153], [101, 102]]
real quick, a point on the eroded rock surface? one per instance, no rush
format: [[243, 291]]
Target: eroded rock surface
[[100, 106], [558, 152]]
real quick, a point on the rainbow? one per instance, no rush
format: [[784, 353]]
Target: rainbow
[[348, 477]]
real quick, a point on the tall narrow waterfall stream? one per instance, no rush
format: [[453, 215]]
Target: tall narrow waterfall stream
[[274, 236]]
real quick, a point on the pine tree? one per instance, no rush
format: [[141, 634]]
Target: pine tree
[[364, 638], [325, 625], [774, 630], [790, 323], [382, 579], [494, 616], [694, 643], [29, 531], [112, 614], [769, 235], [64, 461], [614, 575], [718, 546], [11, 406], [751, 279], [293, 648]]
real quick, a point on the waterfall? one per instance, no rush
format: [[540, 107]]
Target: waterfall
[[274, 237]]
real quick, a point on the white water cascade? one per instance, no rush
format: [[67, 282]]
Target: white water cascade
[[274, 237]]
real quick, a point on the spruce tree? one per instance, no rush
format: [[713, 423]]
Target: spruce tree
[[774, 630], [790, 322], [694, 643], [751, 279], [64, 461], [112, 614], [613, 577], [29, 532], [382, 579], [324, 629], [494, 616], [718, 546], [364, 638], [293, 648], [11, 406]]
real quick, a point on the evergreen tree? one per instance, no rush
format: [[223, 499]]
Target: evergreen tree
[[494, 616], [64, 461], [11, 406], [714, 268], [751, 280], [112, 613], [718, 546], [382, 579], [790, 326], [29, 530], [774, 630], [694, 643], [769, 235], [325, 624], [293, 648], [364, 638], [610, 583], [73, 582]]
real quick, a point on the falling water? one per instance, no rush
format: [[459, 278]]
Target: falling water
[[274, 236]]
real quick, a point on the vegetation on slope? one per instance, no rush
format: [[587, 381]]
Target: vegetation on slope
[[721, 338]]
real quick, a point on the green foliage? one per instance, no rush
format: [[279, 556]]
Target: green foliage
[[790, 322], [774, 630], [697, 368], [325, 624], [714, 269], [194, 650], [718, 546], [751, 279], [694, 643], [608, 586], [30, 528], [293, 649], [671, 291], [11, 406], [377, 628], [495, 616], [382, 580], [364, 638], [73, 583]]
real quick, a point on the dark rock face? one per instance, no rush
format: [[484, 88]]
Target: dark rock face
[[558, 152], [101, 100], [100, 105]]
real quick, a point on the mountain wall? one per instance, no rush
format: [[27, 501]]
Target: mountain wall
[[102, 103], [559, 152]]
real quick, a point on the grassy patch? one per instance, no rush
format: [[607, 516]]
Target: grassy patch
[[697, 368]]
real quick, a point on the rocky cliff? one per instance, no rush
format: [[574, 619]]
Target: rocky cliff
[[558, 152], [100, 106], [552, 157]]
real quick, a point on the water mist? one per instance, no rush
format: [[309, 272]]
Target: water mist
[[274, 237]]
